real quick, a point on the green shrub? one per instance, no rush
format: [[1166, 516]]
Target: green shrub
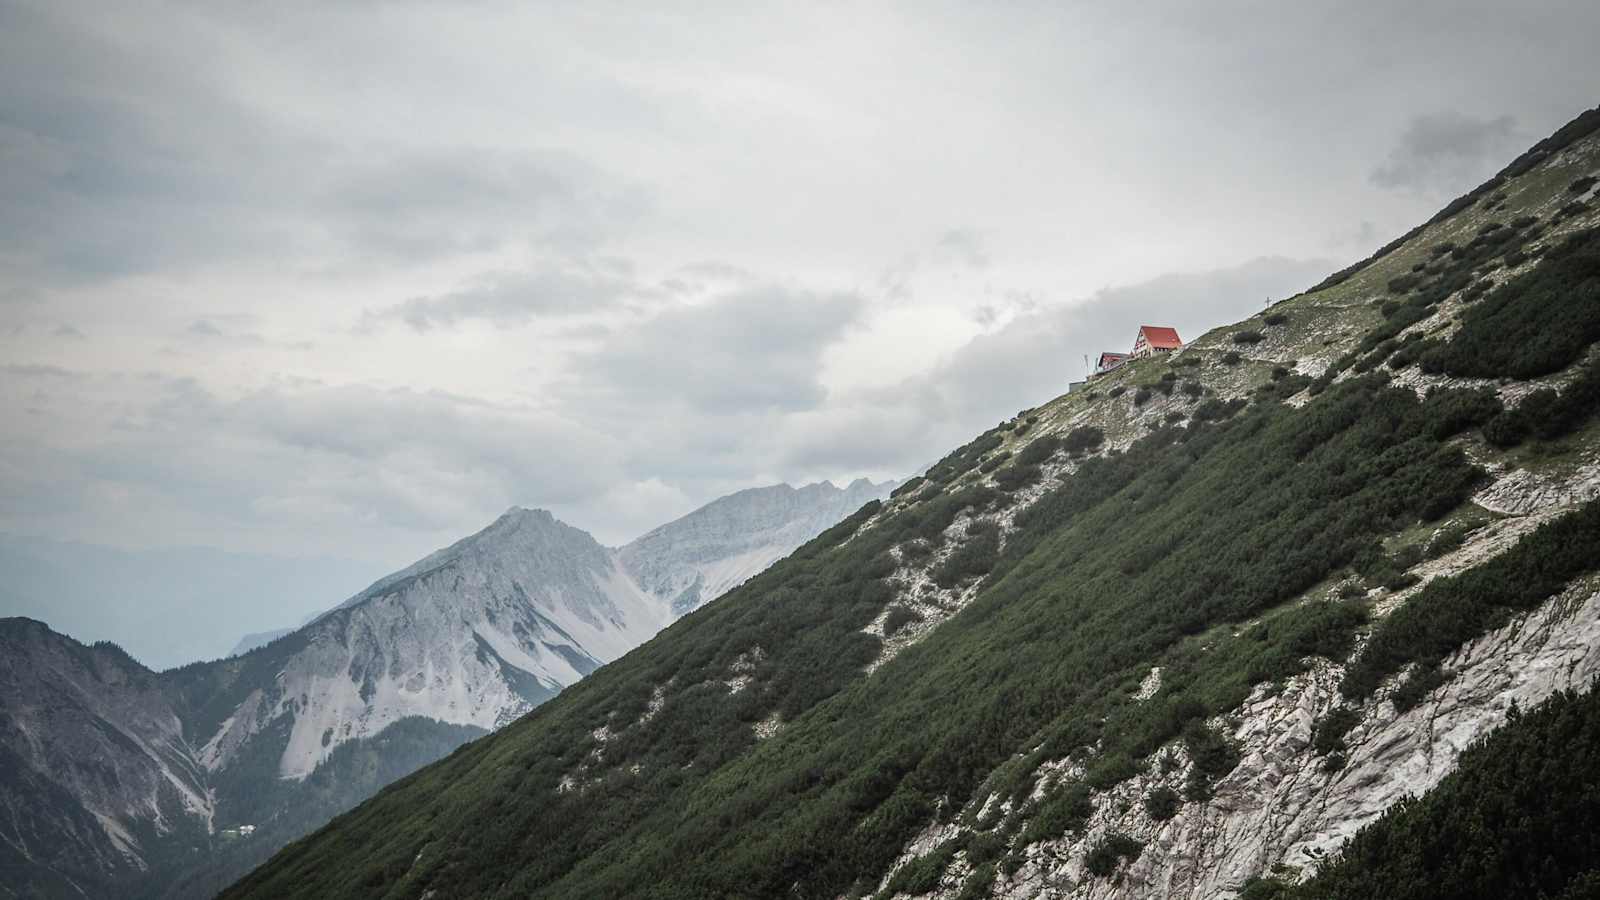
[[1162, 803], [1508, 429], [1196, 787], [1082, 439], [1232, 358], [1040, 450], [1328, 736], [1404, 283], [1453, 411], [1141, 396], [1264, 889], [1275, 318], [1192, 389], [1109, 852], [1017, 475], [994, 462], [978, 883], [1215, 410], [976, 556], [899, 616], [1582, 184], [1448, 540], [911, 485], [984, 847], [1549, 415], [1111, 769], [1411, 350], [1417, 686], [921, 875], [1116, 391], [1065, 809], [1248, 337], [1214, 754]]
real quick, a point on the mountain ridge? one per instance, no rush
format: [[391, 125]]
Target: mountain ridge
[[459, 643]]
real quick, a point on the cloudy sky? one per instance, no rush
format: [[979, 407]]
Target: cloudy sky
[[348, 279]]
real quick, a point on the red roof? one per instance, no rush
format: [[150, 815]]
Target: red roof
[[1109, 357], [1161, 338]]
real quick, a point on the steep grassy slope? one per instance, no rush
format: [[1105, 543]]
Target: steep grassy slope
[[923, 697]]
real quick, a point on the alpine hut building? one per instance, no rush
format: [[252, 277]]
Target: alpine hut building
[[1153, 339]]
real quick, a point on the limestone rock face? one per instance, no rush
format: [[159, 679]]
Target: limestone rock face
[[1279, 807], [475, 634]]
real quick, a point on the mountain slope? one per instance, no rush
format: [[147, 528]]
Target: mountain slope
[[1194, 624], [473, 635], [94, 762], [140, 782]]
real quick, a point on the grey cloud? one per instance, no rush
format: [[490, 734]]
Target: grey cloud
[[365, 463], [69, 332], [964, 246], [750, 351], [115, 160], [429, 204], [509, 299], [1445, 149], [35, 371], [206, 333]]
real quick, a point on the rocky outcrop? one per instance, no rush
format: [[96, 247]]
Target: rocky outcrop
[[1280, 809]]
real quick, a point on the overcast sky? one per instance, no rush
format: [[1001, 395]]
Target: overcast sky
[[351, 278]]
